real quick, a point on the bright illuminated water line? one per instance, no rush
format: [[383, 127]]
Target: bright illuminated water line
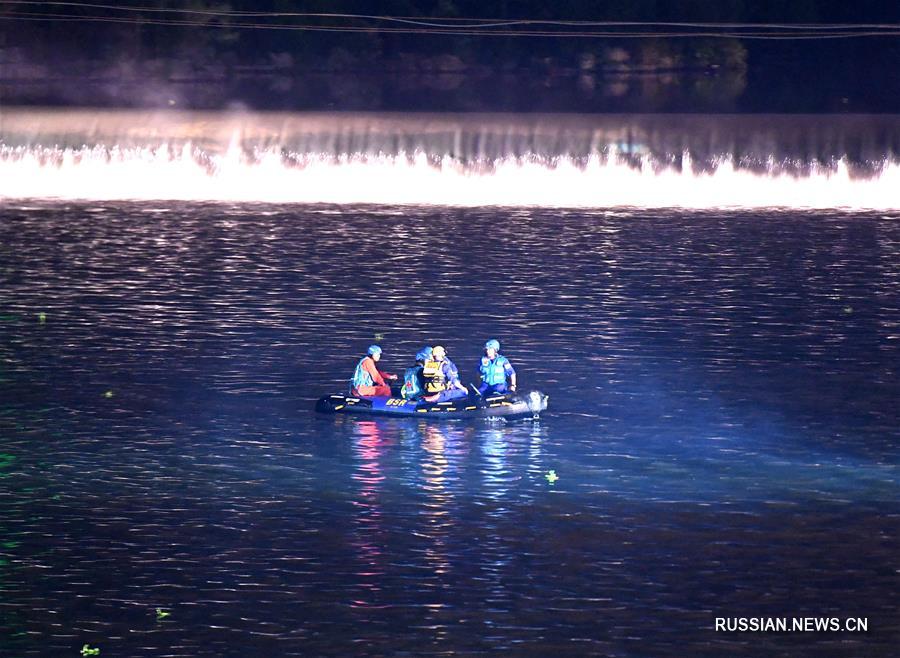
[[649, 162]]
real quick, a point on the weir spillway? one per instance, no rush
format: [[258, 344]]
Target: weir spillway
[[693, 161]]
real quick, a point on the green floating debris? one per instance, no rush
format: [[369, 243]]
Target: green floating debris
[[108, 394], [5, 461], [162, 614], [88, 650], [379, 338], [551, 477], [42, 317]]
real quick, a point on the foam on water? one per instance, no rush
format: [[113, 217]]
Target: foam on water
[[270, 176], [549, 162]]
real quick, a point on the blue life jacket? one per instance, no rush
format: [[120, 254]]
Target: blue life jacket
[[494, 372], [360, 376], [412, 386]]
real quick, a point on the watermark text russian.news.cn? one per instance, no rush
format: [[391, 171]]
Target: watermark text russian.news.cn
[[792, 624]]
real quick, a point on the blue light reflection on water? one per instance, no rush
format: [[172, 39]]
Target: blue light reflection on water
[[724, 424]]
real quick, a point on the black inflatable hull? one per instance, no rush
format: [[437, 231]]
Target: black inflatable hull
[[508, 406]]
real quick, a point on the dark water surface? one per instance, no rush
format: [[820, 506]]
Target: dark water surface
[[724, 423]]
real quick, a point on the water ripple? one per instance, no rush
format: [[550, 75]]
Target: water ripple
[[723, 427]]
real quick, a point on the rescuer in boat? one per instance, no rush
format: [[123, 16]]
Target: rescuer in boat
[[368, 380], [495, 369], [414, 378], [442, 378]]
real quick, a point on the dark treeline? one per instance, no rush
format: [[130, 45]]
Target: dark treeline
[[678, 74]]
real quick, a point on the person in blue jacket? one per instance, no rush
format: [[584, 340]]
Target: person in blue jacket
[[495, 369], [414, 379]]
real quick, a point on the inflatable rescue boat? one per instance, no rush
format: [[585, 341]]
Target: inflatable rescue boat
[[509, 405]]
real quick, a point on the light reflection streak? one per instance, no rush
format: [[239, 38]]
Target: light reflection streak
[[188, 173], [367, 448], [496, 472], [442, 449], [536, 436], [496, 475], [436, 469]]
